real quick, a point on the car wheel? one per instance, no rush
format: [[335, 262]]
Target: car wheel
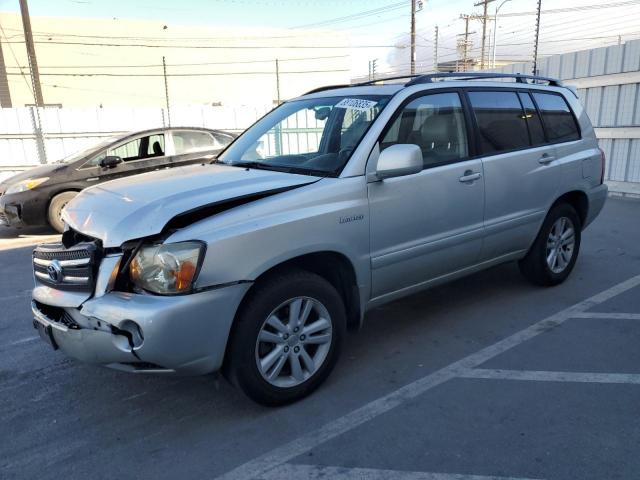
[[56, 205], [287, 338], [555, 250]]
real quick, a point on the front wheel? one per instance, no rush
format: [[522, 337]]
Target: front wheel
[[54, 215], [554, 252], [287, 338]]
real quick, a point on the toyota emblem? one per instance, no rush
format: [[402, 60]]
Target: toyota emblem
[[54, 270]]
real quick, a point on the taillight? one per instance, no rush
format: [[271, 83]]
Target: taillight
[[603, 159]]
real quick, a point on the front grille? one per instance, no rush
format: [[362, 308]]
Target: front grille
[[66, 268]]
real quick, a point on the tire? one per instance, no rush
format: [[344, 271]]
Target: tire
[[540, 266], [255, 341], [55, 209]]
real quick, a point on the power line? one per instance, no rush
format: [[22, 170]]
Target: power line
[[214, 47], [131, 75], [355, 16], [193, 64]]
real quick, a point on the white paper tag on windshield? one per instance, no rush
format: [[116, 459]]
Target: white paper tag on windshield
[[356, 104]]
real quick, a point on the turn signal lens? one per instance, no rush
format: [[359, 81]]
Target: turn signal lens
[[114, 276]]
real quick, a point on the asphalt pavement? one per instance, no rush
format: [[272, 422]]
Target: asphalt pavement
[[486, 377]]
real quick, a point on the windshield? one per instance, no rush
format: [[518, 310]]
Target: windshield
[[80, 154], [314, 136]]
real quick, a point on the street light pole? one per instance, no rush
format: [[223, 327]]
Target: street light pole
[[495, 29]]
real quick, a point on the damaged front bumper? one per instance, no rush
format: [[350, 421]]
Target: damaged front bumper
[[184, 334]]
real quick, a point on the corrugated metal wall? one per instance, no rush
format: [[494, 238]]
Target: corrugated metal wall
[[608, 81]]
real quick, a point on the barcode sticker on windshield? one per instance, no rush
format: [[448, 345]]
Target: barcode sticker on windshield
[[356, 104]]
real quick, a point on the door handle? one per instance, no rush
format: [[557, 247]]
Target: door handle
[[546, 159], [470, 176]]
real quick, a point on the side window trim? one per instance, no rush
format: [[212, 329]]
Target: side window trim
[[526, 120], [471, 151], [544, 124], [539, 114]]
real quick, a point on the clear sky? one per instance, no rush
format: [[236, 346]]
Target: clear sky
[[588, 26]]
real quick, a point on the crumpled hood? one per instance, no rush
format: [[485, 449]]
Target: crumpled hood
[[141, 205]]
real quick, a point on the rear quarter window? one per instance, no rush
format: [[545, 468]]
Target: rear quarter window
[[559, 122]]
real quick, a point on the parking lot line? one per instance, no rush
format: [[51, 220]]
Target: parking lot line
[[545, 376], [257, 467], [311, 472], [605, 316]]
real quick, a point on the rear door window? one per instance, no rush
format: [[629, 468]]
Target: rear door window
[[559, 122], [533, 119], [501, 121]]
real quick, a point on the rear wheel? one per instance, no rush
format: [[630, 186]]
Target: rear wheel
[[56, 205], [287, 338], [554, 252]]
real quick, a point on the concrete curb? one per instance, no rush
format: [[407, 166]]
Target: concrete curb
[[623, 189]]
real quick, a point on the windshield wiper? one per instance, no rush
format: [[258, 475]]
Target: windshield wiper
[[280, 168]]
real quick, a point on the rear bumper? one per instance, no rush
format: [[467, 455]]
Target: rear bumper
[[597, 198], [184, 334]]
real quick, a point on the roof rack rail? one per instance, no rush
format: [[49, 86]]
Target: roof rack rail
[[326, 87], [519, 77], [360, 84]]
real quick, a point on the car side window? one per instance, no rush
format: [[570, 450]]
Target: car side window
[[501, 122], [186, 142], [155, 146], [128, 151], [559, 122], [533, 119], [436, 124]]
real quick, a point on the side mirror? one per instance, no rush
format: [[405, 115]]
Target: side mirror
[[110, 161], [399, 160]]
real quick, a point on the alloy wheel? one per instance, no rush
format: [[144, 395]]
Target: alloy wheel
[[293, 342], [560, 245]]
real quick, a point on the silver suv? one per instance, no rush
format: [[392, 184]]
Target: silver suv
[[332, 204]]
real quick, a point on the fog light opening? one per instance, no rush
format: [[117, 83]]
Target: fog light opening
[[133, 333]]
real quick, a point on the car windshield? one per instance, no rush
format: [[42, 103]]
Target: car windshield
[[311, 136], [86, 152]]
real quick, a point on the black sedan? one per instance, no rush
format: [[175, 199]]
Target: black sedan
[[37, 196]]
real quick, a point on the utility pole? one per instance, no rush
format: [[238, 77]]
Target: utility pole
[[535, 45], [5, 94], [463, 44], [166, 89], [277, 81], [373, 67], [413, 37], [31, 54], [484, 19], [435, 51]]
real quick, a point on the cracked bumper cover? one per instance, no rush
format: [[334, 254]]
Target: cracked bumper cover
[[185, 334]]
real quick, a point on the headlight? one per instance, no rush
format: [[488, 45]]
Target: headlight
[[166, 268], [25, 185]]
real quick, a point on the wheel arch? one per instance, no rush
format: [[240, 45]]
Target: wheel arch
[[333, 266], [578, 200], [336, 268]]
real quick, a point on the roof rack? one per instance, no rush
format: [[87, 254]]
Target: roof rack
[[519, 78], [359, 84], [430, 77]]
